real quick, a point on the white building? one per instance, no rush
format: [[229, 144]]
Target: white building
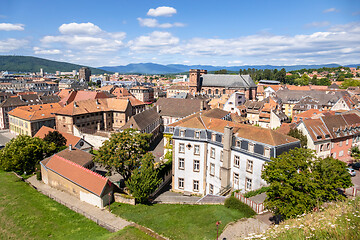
[[212, 156]]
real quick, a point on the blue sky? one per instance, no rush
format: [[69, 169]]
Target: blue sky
[[223, 33]]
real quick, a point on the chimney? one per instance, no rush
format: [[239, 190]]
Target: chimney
[[225, 170], [70, 147], [75, 105], [157, 108], [202, 105]]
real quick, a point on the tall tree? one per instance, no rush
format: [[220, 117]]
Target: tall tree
[[55, 137], [299, 181], [23, 153], [123, 152], [144, 179], [296, 133]]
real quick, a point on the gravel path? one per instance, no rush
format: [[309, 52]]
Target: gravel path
[[243, 228], [96, 214]]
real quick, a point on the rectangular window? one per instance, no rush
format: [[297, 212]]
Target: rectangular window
[[341, 153], [181, 148], [181, 183], [212, 169], [211, 189], [236, 181], [196, 165], [249, 166], [213, 137], [197, 135], [212, 152], [248, 184], [236, 161], [334, 155], [237, 143], [182, 133], [251, 147], [340, 144], [196, 150], [347, 142], [267, 152], [196, 185], [221, 156], [181, 163]]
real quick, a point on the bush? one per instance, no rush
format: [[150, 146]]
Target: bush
[[234, 203], [38, 175], [256, 192]]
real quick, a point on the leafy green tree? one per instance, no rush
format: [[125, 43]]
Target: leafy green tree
[[144, 180], [222, 71], [123, 152], [350, 83], [299, 181], [355, 153], [23, 153], [55, 137], [296, 133]]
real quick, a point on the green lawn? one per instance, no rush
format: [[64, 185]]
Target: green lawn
[[180, 221], [27, 214]]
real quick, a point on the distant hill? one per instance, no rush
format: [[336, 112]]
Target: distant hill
[[152, 68], [33, 64]]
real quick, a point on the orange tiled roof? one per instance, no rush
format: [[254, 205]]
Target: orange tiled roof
[[70, 139], [134, 101], [77, 174], [258, 134], [94, 105], [36, 112], [121, 92]]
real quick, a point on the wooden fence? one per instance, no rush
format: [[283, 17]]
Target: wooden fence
[[257, 207]]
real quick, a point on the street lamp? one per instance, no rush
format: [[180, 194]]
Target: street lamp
[[217, 231]]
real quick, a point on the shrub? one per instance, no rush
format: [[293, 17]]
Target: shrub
[[234, 203], [38, 175], [256, 192]]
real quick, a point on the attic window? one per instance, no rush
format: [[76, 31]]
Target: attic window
[[182, 133], [327, 136], [318, 137]]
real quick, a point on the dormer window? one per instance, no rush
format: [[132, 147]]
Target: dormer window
[[251, 147], [213, 137], [182, 133], [197, 135]]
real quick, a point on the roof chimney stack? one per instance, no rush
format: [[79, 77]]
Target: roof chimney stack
[[70, 147]]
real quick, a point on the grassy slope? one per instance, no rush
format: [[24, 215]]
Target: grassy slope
[[27, 214], [340, 220], [33, 64], [180, 221]]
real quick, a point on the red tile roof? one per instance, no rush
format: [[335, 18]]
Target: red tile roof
[[83, 177], [36, 112], [70, 139]]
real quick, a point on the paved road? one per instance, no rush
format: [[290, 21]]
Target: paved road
[[5, 137], [243, 228], [101, 214]]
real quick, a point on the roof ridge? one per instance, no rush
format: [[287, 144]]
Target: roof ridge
[[81, 167]]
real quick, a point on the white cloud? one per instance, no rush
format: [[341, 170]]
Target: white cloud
[[318, 24], [11, 44], [38, 50], [330, 10], [155, 41], [161, 11], [151, 22], [11, 27], [80, 28]]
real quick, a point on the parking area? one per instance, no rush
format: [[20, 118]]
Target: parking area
[[356, 180], [6, 136]]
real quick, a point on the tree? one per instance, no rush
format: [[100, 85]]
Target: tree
[[123, 152], [298, 135], [299, 181], [355, 153], [55, 137], [144, 180], [22, 153], [222, 71]]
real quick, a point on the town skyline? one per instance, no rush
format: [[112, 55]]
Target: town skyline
[[183, 32]]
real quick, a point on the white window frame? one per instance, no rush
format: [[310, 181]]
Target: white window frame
[[251, 147], [182, 133], [195, 185], [211, 188], [181, 147], [212, 152], [196, 165], [197, 135], [248, 184], [212, 169], [196, 149], [181, 183], [267, 152], [237, 161], [236, 180], [181, 163], [249, 166]]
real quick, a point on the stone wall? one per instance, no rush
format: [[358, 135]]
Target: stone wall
[[122, 199]]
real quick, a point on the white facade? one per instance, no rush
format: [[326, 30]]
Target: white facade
[[236, 99]]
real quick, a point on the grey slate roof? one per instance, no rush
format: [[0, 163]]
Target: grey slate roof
[[227, 81], [175, 107], [143, 119], [324, 97], [29, 99]]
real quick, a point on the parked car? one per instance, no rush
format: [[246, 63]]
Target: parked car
[[355, 166], [352, 172]]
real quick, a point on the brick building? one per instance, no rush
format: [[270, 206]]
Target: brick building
[[215, 85]]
